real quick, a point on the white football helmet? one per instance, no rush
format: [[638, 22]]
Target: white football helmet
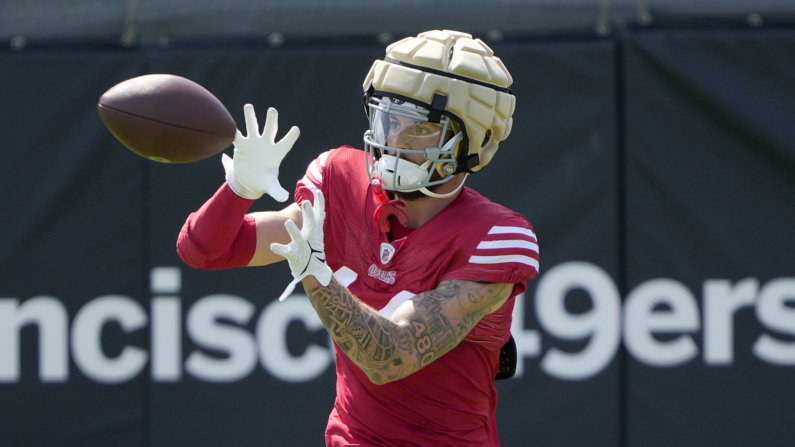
[[441, 94]]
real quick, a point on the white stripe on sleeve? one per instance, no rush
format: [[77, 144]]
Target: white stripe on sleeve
[[509, 244], [515, 230], [504, 259], [313, 169], [309, 185]]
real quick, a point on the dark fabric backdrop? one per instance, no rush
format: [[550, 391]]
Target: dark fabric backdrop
[[661, 154]]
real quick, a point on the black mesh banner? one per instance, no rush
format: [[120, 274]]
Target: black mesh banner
[[710, 202], [72, 250], [657, 168]]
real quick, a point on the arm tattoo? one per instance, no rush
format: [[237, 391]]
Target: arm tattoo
[[365, 336], [388, 350]]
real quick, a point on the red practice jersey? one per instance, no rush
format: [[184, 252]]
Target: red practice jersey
[[453, 400]]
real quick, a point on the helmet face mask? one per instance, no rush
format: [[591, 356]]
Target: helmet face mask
[[404, 149]]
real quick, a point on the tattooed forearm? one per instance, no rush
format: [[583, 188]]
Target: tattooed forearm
[[365, 336], [434, 323]]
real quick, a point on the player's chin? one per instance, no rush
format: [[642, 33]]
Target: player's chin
[[413, 196]]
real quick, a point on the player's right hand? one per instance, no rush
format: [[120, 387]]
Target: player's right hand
[[306, 253], [254, 170]]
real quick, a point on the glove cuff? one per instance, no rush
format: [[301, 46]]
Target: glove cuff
[[323, 275], [234, 183]]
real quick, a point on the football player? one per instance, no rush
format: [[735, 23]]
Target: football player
[[413, 274]]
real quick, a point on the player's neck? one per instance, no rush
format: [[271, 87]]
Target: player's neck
[[421, 211]]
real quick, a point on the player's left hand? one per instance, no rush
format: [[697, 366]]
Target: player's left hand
[[306, 253], [254, 170]]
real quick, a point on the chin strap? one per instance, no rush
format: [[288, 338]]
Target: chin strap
[[387, 208], [442, 196]]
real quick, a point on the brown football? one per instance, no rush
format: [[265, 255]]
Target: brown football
[[167, 118]]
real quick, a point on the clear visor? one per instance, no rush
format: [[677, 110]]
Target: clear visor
[[405, 126], [403, 132]]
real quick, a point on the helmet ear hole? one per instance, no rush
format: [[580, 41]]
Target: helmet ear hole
[[486, 139]]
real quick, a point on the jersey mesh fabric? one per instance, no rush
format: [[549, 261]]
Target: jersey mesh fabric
[[452, 401]]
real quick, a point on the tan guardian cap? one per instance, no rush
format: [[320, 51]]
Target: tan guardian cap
[[451, 73]]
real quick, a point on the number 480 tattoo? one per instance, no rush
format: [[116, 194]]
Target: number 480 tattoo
[[388, 350]]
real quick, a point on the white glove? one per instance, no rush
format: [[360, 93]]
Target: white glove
[[306, 253], [254, 170]]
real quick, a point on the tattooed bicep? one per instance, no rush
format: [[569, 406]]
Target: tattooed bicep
[[461, 297]]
